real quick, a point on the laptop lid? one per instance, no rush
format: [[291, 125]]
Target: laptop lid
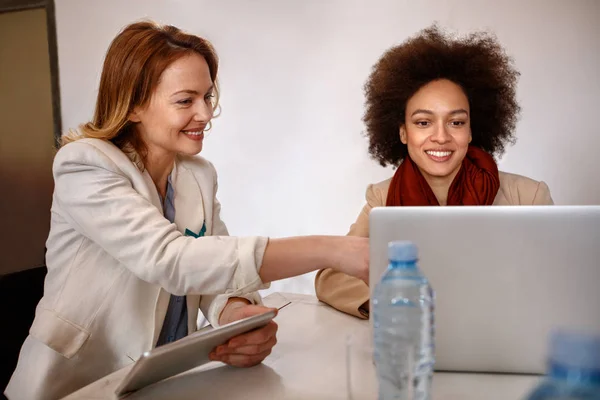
[[504, 277]]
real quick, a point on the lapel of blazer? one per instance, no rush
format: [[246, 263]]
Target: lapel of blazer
[[190, 220], [189, 206], [150, 192]]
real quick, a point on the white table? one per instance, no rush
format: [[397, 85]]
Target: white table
[[309, 362]]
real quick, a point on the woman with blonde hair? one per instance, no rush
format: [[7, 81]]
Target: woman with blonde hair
[[137, 245]]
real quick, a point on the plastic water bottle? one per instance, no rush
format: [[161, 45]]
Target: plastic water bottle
[[573, 368], [403, 327]]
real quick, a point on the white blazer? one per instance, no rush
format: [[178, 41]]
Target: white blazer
[[113, 260]]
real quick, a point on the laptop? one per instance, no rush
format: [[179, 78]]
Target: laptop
[[504, 278]]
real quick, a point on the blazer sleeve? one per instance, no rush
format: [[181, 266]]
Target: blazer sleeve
[[212, 305], [341, 291], [99, 202]]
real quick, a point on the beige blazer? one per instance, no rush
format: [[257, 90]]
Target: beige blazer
[[113, 260], [348, 294]]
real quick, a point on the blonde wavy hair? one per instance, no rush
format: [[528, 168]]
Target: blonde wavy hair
[[132, 68]]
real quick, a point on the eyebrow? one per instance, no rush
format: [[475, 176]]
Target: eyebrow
[[429, 112], [194, 92]]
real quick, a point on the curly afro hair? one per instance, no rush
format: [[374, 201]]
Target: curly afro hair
[[477, 63]]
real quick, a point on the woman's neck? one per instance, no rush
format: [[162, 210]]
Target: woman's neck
[[440, 188], [440, 185], [159, 166]]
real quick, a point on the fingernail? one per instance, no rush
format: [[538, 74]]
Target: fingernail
[[212, 356], [220, 350]]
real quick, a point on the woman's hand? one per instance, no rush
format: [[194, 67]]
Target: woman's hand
[[250, 348]]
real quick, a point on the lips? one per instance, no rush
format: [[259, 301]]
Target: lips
[[439, 155], [194, 135]]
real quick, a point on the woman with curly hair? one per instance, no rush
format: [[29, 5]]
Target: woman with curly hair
[[439, 109]]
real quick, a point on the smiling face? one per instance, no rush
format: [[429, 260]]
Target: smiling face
[[180, 108], [437, 129]]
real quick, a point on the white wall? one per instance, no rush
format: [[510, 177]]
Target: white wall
[[289, 147]]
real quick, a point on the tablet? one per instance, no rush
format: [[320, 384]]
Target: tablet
[[186, 353]]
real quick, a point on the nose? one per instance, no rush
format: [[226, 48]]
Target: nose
[[441, 134], [203, 111]]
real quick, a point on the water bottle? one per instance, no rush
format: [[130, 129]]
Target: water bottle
[[573, 368], [403, 327]]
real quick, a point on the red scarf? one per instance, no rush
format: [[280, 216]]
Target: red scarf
[[476, 183]]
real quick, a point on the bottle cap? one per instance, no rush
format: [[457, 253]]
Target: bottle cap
[[402, 251]]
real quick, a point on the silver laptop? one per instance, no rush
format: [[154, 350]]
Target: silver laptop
[[504, 277]]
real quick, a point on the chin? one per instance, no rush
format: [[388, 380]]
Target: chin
[[190, 150], [439, 172]]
